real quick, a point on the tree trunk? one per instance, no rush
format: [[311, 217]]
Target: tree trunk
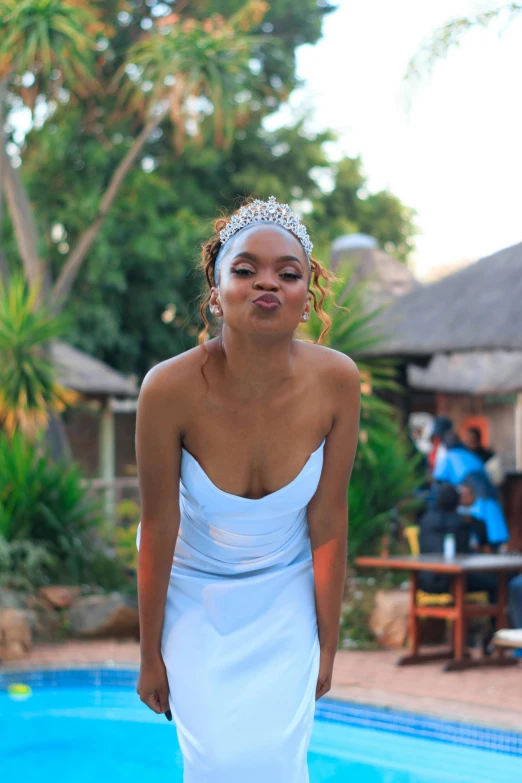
[[26, 231], [37, 270], [69, 273]]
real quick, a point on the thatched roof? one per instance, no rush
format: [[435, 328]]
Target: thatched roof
[[476, 308], [387, 278], [477, 372], [83, 373]]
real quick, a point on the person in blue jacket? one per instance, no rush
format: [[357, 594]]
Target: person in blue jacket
[[460, 465]]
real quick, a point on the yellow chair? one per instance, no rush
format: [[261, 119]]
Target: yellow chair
[[437, 599]]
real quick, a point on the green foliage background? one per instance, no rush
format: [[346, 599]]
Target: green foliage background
[[145, 256]]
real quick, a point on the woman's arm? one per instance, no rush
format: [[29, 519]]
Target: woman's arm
[[158, 451], [328, 512]]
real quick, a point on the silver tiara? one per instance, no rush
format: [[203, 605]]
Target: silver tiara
[[271, 212]]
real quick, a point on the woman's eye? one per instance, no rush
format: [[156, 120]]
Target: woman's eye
[[243, 272], [291, 276]]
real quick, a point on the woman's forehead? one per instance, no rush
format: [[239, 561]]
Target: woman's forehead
[[267, 240]]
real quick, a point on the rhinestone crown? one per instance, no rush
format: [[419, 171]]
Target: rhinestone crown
[[271, 212]]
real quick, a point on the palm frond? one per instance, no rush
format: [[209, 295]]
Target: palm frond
[[27, 376]]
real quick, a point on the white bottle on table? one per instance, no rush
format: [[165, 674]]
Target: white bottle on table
[[449, 546]]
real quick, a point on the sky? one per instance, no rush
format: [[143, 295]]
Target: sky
[[449, 146]]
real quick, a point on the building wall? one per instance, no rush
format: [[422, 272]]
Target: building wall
[[83, 424]]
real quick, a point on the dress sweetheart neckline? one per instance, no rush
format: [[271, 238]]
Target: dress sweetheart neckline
[[254, 500]]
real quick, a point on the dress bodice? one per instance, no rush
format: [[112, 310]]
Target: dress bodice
[[227, 533]]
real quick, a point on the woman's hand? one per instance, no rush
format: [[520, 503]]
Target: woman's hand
[[153, 686], [324, 678]]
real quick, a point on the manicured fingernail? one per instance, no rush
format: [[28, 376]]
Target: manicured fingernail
[[168, 715]]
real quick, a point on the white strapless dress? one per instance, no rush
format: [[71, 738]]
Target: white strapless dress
[[240, 640]]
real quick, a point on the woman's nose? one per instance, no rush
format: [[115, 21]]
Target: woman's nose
[[267, 281]]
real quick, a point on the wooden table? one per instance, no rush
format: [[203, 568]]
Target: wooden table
[[458, 567]]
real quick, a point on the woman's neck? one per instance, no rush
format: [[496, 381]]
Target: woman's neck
[[257, 364]]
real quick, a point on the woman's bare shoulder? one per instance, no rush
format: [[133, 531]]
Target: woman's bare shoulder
[[176, 376], [331, 364]]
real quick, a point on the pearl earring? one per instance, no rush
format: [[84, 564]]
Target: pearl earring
[[305, 316]]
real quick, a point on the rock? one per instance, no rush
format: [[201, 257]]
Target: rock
[[105, 615], [9, 599], [59, 596], [15, 634], [38, 605], [389, 617], [47, 621]]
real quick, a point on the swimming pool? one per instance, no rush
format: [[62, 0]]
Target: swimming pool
[[86, 725]]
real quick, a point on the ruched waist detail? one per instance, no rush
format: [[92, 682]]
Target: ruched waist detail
[[209, 546]]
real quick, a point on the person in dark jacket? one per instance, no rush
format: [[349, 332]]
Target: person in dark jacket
[[438, 522]]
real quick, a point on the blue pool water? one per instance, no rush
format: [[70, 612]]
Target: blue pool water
[[104, 734]]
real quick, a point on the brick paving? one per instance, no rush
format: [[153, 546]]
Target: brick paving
[[488, 696]]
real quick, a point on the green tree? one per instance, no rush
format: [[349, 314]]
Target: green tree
[[164, 72], [349, 207], [134, 301]]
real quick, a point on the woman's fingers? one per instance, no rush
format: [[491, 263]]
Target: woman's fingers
[[152, 701], [323, 686], [163, 696]]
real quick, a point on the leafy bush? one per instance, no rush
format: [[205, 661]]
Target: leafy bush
[[385, 470], [44, 503], [24, 565], [128, 513], [385, 474]]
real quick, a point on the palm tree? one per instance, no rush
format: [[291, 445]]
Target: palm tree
[[179, 63], [174, 68], [41, 38], [28, 387]]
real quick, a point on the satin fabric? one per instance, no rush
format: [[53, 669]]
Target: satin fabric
[[239, 639]]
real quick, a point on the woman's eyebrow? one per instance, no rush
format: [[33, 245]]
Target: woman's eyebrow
[[289, 258], [246, 254], [252, 257]]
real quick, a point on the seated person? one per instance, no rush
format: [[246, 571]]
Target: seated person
[[478, 535], [474, 501], [434, 525], [459, 466]]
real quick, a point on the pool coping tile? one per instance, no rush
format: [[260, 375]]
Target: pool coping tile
[[354, 714]]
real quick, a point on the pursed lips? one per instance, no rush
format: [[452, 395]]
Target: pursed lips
[[267, 298]]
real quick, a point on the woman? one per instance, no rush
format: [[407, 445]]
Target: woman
[[245, 446]]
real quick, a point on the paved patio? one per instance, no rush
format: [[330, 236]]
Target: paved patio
[[489, 696]]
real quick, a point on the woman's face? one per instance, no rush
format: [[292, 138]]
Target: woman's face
[[263, 263]]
